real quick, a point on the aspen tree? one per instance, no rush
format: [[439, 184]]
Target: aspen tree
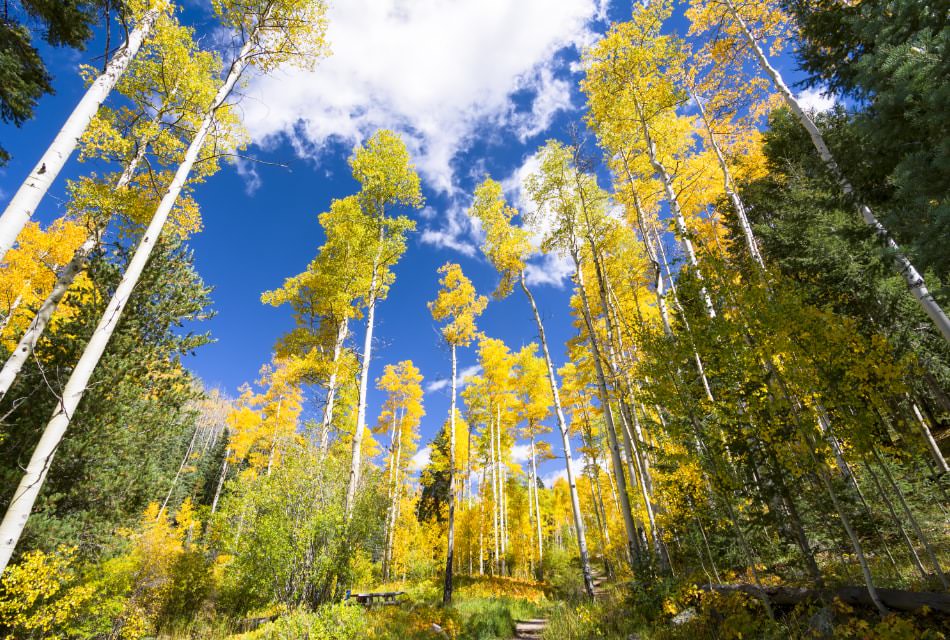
[[169, 67], [554, 193], [534, 406], [457, 304], [401, 414], [507, 247], [274, 32], [325, 298], [741, 30], [29, 195], [387, 178]]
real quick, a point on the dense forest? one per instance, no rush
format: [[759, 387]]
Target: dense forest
[[749, 417]]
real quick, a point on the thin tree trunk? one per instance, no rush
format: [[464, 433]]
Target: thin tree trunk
[[184, 461], [30, 485], [729, 185], [619, 473], [28, 197], [673, 201], [566, 442], [224, 474], [537, 505], [357, 451], [915, 558], [940, 461], [450, 542], [913, 278], [932, 556], [332, 385], [274, 436], [494, 494], [67, 275]]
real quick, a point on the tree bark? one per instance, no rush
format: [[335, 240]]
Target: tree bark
[[28, 197], [30, 485], [566, 442], [913, 278], [341, 334], [450, 542], [357, 451]]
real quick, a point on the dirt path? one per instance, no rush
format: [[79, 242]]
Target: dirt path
[[534, 629]]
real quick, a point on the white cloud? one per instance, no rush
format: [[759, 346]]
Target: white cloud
[[435, 70], [247, 169], [461, 379], [421, 459], [815, 100], [458, 232], [549, 269], [520, 452]]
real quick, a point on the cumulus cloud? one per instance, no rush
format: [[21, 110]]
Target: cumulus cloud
[[520, 452], [461, 379], [815, 100], [549, 269], [422, 458], [456, 232], [434, 70]]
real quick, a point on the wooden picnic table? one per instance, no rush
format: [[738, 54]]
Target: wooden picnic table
[[370, 599]]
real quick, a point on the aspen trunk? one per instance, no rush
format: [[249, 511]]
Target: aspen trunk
[[28, 197], [67, 275], [673, 201], [931, 442], [356, 452], [494, 494], [274, 437], [566, 442], [729, 185], [913, 278], [913, 521], [332, 385], [30, 485], [450, 542], [12, 310], [915, 558], [619, 473], [184, 461], [224, 474], [537, 505]]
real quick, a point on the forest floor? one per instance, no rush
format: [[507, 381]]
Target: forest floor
[[498, 608]]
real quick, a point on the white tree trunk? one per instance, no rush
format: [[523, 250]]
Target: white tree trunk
[[29, 488], [274, 437], [31, 192], [537, 505], [675, 209], [341, 334], [357, 450], [450, 536], [915, 281], [626, 511], [64, 280], [224, 474], [566, 442], [931, 442], [729, 185]]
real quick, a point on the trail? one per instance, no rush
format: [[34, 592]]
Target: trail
[[534, 629]]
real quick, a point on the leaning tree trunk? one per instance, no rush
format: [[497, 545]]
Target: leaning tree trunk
[[913, 278], [450, 537], [619, 473], [537, 505], [729, 185], [332, 385], [32, 482], [675, 209], [67, 275], [566, 441], [28, 197], [357, 449]]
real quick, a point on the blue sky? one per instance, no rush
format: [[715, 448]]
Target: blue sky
[[475, 86]]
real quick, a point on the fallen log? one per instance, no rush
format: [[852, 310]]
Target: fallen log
[[896, 599]]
